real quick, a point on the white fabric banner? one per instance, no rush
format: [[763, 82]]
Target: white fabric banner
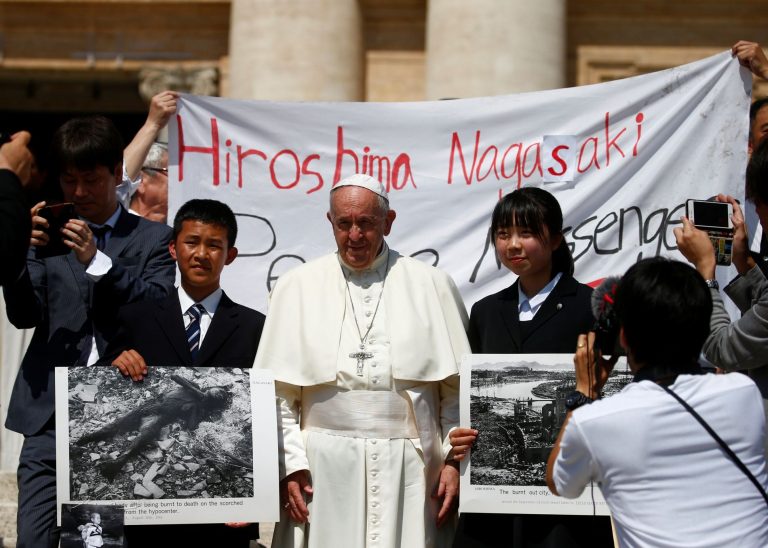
[[621, 158]]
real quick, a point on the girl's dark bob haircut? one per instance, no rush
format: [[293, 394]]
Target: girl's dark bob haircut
[[535, 209]]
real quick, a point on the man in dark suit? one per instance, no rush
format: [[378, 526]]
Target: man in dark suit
[[15, 169], [198, 326], [72, 301]]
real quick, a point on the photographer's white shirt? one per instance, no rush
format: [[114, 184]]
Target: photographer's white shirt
[[666, 480]]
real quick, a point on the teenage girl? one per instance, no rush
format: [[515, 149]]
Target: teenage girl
[[543, 311]]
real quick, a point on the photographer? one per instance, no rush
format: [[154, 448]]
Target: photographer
[[743, 343], [666, 480]]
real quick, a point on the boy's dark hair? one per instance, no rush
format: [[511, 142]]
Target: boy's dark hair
[[87, 143], [664, 307], [209, 212], [534, 208], [757, 174]]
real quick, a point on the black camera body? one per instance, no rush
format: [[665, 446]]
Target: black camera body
[[606, 326]]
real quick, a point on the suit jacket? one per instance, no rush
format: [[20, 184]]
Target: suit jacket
[[155, 329], [494, 327], [742, 344], [15, 225], [69, 310]]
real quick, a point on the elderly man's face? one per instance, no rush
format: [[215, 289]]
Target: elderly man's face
[[153, 192], [359, 225]]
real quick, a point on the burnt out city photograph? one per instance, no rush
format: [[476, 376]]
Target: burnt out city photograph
[[518, 408], [180, 433]]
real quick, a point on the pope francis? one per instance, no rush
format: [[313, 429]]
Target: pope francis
[[364, 345]]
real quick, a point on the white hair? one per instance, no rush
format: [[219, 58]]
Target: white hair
[[157, 156]]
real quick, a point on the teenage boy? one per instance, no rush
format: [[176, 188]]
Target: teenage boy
[[196, 326], [72, 300]]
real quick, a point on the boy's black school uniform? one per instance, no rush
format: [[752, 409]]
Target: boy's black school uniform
[[155, 329]]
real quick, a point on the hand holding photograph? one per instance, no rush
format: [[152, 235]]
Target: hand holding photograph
[[177, 447], [517, 404]]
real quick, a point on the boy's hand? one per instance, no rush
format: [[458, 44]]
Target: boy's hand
[[131, 364]]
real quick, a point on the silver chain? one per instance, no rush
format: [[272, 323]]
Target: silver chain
[[363, 338]]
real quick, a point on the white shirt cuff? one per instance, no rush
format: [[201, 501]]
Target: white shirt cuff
[[99, 265]]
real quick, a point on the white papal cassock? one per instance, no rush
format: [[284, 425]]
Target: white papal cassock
[[375, 438]]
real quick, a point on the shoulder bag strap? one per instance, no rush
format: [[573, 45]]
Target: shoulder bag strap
[[736, 460]]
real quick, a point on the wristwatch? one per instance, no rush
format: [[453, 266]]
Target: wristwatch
[[712, 284], [575, 400]]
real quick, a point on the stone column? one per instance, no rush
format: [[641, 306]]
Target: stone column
[[296, 50], [494, 47]]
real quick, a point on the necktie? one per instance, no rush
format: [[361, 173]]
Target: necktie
[[193, 329], [100, 233]]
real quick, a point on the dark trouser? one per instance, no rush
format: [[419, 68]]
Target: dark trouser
[[36, 519], [214, 535], [533, 531]]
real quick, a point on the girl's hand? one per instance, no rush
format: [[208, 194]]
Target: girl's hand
[[462, 440]]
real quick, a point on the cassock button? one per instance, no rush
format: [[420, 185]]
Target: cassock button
[[368, 313], [374, 457], [367, 299], [559, 306], [373, 442]]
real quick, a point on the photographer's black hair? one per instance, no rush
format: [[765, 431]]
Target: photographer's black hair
[[208, 212], [534, 208], [757, 174], [664, 307], [87, 143]]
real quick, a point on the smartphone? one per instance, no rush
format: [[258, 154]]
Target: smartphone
[[715, 219], [710, 216], [57, 216]]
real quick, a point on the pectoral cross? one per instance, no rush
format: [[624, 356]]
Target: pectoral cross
[[361, 356]]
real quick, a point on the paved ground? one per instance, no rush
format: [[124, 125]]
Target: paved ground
[[265, 532]]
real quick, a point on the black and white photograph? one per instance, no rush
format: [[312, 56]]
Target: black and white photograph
[[91, 526], [517, 403], [182, 434]]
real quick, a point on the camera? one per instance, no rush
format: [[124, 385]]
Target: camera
[[606, 325], [57, 216], [714, 218]]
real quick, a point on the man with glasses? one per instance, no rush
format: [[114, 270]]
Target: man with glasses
[[150, 199], [136, 157]]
